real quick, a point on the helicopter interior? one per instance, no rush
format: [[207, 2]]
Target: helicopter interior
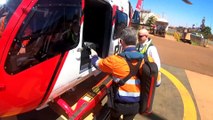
[[96, 30], [45, 32]]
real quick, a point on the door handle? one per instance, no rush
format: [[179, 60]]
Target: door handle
[[78, 53]]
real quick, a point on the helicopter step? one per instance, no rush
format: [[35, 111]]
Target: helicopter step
[[78, 103]]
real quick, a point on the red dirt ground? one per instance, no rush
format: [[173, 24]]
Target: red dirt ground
[[195, 58]]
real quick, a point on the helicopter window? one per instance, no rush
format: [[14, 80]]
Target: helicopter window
[[120, 24], [7, 8], [48, 30]]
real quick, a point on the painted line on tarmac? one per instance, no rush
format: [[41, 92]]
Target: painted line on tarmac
[[189, 106]]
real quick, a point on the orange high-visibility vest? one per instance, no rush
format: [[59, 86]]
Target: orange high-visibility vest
[[119, 69]]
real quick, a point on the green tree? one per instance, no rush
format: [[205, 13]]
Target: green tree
[[206, 31], [151, 21]]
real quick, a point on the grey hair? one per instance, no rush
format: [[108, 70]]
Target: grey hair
[[128, 35]]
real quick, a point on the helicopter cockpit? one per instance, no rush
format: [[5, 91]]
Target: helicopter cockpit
[[42, 34]]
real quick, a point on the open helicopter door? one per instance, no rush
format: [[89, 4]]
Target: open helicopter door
[[96, 30], [121, 13]]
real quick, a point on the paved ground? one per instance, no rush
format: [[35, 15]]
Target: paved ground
[[197, 63], [168, 104]]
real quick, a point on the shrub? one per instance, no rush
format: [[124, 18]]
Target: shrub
[[177, 36]]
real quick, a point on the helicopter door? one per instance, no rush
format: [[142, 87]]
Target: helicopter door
[[96, 30], [121, 21]]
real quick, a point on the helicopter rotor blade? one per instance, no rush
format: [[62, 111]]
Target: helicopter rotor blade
[[187, 2]]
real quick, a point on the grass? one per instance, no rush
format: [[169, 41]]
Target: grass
[[194, 43], [177, 36]]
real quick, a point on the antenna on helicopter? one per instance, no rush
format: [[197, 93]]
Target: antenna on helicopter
[[187, 2]]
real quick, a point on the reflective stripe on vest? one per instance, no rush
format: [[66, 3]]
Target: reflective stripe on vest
[[120, 70], [145, 48]]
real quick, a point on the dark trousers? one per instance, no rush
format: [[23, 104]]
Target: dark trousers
[[128, 110]]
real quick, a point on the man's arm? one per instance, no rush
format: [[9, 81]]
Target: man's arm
[[152, 51], [105, 65]]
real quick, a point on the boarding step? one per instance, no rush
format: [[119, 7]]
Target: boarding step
[[73, 107]]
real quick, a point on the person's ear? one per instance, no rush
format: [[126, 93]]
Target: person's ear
[[121, 41]]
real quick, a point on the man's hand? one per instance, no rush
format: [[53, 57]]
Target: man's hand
[[22, 51], [93, 53], [94, 57]]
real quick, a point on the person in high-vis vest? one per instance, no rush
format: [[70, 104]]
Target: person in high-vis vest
[[127, 96], [146, 47]]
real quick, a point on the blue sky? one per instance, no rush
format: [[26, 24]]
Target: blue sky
[[180, 14]]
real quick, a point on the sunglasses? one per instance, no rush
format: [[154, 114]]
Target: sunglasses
[[140, 36]]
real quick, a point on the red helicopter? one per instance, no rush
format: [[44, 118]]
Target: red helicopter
[[45, 47]]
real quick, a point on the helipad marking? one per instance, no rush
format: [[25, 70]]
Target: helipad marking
[[189, 106]]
